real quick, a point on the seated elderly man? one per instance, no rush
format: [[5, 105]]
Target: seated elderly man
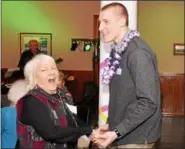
[[44, 120]]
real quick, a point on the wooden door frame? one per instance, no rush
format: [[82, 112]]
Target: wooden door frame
[[96, 35], [95, 26]]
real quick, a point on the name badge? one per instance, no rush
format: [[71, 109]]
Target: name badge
[[55, 114], [119, 71]]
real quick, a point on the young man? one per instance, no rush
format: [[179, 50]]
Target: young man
[[131, 72]]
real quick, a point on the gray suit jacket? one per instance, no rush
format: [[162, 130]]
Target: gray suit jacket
[[135, 106]]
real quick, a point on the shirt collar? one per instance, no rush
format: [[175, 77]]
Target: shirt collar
[[119, 45]]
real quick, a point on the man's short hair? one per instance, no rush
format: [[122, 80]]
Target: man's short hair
[[120, 10], [32, 41]]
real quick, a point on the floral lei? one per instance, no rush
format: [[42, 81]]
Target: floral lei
[[112, 64]]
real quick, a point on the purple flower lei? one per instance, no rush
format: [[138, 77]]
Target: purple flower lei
[[112, 63]]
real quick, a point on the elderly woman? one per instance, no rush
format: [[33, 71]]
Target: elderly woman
[[44, 120], [8, 114]]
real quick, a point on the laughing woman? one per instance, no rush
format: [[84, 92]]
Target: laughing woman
[[44, 121]]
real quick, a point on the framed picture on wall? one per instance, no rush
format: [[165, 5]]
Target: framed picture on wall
[[44, 40], [178, 49]]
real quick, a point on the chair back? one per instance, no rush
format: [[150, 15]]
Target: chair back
[[83, 113], [91, 100]]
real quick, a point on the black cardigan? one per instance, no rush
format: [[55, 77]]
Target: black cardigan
[[36, 114]]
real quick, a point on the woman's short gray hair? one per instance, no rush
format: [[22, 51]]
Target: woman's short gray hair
[[30, 68], [17, 90]]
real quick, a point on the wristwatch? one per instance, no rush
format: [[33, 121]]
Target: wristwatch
[[117, 133]]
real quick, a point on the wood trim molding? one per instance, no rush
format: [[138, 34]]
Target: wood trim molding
[[170, 74], [173, 93], [96, 26]]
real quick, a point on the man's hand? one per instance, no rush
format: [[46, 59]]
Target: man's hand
[[94, 135], [102, 137], [105, 139], [103, 128], [98, 131]]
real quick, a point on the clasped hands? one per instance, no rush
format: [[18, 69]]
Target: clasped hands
[[102, 136]]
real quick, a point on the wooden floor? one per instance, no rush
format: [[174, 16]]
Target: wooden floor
[[173, 133]]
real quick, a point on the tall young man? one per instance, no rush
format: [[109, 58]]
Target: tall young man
[[131, 72]]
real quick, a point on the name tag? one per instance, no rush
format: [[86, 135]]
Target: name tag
[[55, 114], [119, 71]]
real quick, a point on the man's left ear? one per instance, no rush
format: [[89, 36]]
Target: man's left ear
[[122, 22]]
